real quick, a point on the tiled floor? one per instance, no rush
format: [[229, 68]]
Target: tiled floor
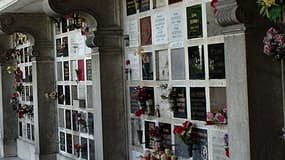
[[10, 158]]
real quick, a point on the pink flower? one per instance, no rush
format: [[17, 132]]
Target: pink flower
[[267, 50], [271, 32], [219, 117], [210, 116], [178, 130], [279, 38]]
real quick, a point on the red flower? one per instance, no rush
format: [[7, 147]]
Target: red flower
[[128, 62], [178, 130], [15, 94], [20, 114], [213, 5], [227, 152], [139, 112], [187, 124]]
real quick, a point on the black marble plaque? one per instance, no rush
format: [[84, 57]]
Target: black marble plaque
[[200, 147], [180, 105], [60, 99], [66, 70], [148, 141], [147, 67], [173, 1], [67, 95], [131, 6], [144, 5], [216, 61], [194, 21], [165, 136], [196, 62], [133, 102], [89, 69], [198, 103], [67, 119]]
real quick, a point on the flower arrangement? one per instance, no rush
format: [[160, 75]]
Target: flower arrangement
[[141, 94], [24, 109], [184, 132], [139, 112], [274, 43], [219, 117], [213, 5], [158, 155], [77, 148], [226, 140], [271, 9]]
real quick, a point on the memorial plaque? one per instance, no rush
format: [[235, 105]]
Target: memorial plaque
[[218, 99], [200, 147], [136, 132], [67, 119], [69, 143], [159, 3], [198, 103], [135, 66], [59, 71], [75, 126], [166, 136], [147, 66], [81, 70], [194, 21], [91, 148], [64, 46], [180, 104], [61, 118], [74, 92], [216, 61], [159, 28], [89, 70], [133, 102], [58, 47], [83, 124], [173, 1], [145, 31], [84, 148], [178, 64], [63, 25], [62, 141], [60, 99], [196, 62], [131, 6], [90, 123], [218, 145], [175, 24], [89, 97], [162, 65], [148, 141], [144, 5], [133, 32], [66, 70], [67, 95]]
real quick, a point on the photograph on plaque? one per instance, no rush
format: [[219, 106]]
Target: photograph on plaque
[[196, 62], [200, 146], [219, 145], [165, 130], [198, 103], [159, 3], [136, 132], [131, 6], [149, 143], [173, 1], [89, 70], [179, 103], [144, 5], [66, 70], [162, 65], [147, 66], [145, 31], [178, 64], [216, 58], [194, 21]]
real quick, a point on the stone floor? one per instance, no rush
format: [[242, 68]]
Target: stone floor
[[10, 158]]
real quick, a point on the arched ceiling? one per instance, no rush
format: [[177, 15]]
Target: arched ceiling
[[21, 6]]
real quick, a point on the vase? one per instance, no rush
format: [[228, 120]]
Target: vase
[[190, 149]]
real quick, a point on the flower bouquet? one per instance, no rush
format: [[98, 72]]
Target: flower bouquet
[[271, 9], [274, 43], [214, 118], [145, 101]]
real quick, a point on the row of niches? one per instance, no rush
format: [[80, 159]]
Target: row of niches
[[177, 141], [171, 27], [79, 96], [76, 146], [71, 45], [180, 102], [163, 66], [74, 70], [134, 6], [26, 131], [78, 121]]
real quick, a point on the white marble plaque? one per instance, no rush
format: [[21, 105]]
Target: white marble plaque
[[133, 33], [218, 145], [175, 25], [134, 65], [159, 28], [77, 44]]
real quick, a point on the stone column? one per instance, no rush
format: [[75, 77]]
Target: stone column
[[40, 27], [254, 92]]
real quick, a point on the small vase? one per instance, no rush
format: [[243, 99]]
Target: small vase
[[190, 148]]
